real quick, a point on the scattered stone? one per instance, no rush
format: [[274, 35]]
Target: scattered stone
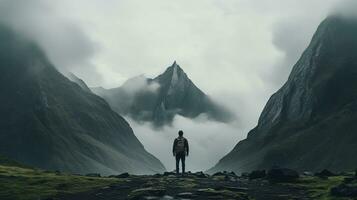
[[186, 195], [234, 189], [206, 191], [307, 173], [157, 175], [324, 173], [167, 197], [123, 175], [218, 174], [282, 175], [151, 198], [349, 180], [344, 190], [343, 174], [169, 173], [200, 175], [257, 174], [245, 175], [93, 175], [146, 192], [233, 174]]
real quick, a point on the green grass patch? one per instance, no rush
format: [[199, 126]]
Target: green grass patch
[[17, 183]]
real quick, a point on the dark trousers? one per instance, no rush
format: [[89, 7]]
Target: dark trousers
[[180, 156]]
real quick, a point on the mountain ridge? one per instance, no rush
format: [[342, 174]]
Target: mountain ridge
[[50, 122], [312, 112]]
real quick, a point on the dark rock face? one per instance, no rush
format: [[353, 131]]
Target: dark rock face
[[158, 100], [344, 190], [309, 124], [50, 122], [325, 173], [282, 175], [79, 82], [257, 174]]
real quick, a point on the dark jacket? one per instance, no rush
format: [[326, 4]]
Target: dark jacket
[[186, 146]]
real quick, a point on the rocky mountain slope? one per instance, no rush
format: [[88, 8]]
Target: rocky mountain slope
[[158, 100], [310, 123], [50, 122], [79, 81]]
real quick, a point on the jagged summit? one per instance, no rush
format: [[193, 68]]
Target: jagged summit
[[162, 98], [175, 80], [174, 71]]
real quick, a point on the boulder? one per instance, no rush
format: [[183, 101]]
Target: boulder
[[257, 174], [143, 193], [169, 173], [307, 173], [349, 180], [244, 175], [344, 190], [233, 174], [123, 175], [218, 174], [186, 195], [324, 173], [93, 175], [200, 175], [282, 175]]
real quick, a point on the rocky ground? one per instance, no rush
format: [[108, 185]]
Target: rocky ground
[[24, 183], [193, 186]]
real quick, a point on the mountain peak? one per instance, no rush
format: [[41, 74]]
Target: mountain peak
[[175, 65]]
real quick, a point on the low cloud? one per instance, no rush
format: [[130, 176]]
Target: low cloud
[[68, 47], [347, 8], [140, 84]]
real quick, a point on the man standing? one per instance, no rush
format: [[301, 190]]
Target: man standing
[[180, 151]]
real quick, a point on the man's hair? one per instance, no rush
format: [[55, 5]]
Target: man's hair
[[180, 133]]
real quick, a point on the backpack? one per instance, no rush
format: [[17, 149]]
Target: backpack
[[180, 145]]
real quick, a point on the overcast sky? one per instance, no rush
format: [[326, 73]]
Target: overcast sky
[[237, 51]]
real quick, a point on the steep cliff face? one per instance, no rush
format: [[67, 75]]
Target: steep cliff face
[[79, 81], [50, 122], [158, 100], [309, 124]]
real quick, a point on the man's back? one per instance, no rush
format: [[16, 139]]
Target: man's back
[[180, 150], [180, 145]]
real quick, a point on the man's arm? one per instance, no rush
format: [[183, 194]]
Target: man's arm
[[187, 148], [173, 147]]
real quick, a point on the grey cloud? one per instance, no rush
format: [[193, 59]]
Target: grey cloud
[[66, 45], [346, 8]]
